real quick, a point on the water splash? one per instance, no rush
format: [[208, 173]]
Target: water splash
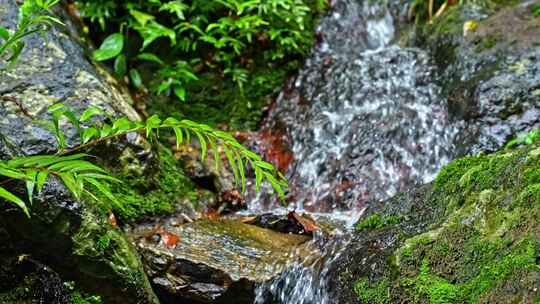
[[363, 120]]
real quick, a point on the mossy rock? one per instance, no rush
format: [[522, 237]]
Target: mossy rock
[[486, 55], [473, 236]]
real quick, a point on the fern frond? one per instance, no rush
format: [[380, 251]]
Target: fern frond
[[236, 153], [77, 173]]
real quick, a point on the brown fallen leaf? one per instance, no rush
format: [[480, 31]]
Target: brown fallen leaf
[[309, 225], [248, 219], [169, 239], [112, 219]]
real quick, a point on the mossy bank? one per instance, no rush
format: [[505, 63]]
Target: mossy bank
[[472, 236]]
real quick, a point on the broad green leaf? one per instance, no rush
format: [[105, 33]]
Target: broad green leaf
[[120, 65], [180, 92], [4, 33], [111, 47], [142, 18], [176, 7], [153, 31], [122, 125], [150, 57], [91, 112], [105, 131], [88, 134], [14, 199], [75, 166], [135, 77]]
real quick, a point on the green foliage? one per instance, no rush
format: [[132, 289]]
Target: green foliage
[[77, 174], [376, 221], [33, 18], [377, 294], [78, 297], [528, 138], [227, 50]]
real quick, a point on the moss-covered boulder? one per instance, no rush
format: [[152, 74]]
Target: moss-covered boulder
[[72, 237], [473, 236], [487, 57]]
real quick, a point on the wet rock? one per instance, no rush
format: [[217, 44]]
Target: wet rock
[[212, 261], [70, 236], [470, 237], [25, 280], [490, 75]]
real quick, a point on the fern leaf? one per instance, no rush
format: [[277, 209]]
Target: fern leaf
[[203, 144], [232, 163], [14, 199], [215, 150], [40, 179], [31, 183]]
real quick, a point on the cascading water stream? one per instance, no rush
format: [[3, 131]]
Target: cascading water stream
[[364, 120]]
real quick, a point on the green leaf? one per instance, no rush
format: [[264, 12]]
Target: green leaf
[[178, 135], [203, 144], [40, 180], [99, 176], [102, 188], [180, 92], [214, 148], [120, 65], [176, 7], [71, 183], [14, 199], [153, 31], [4, 33], [122, 125], [150, 57], [88, 134], [135, 77], [91, 112], [241, 171], [258, 178], [12, 173], [142, 18], [232, 163], [264, 165], [152, 123], [31, 183], [111, 47]]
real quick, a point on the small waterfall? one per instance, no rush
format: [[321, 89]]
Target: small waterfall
[[363, 120]]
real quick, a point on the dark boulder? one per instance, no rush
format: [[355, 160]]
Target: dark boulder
[[70, 236]]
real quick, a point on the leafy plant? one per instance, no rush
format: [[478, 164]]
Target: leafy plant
[[528, 138], [183, 39], [33, 18], [77, 173]]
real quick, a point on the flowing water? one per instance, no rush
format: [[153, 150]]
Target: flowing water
[[363, 120]]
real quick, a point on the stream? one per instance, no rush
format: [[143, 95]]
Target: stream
[[363, 120]]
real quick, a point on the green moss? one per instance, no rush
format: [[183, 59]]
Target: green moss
[[377, 294], [80, 297], [488, 244], [140, 195], [376, 222]]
